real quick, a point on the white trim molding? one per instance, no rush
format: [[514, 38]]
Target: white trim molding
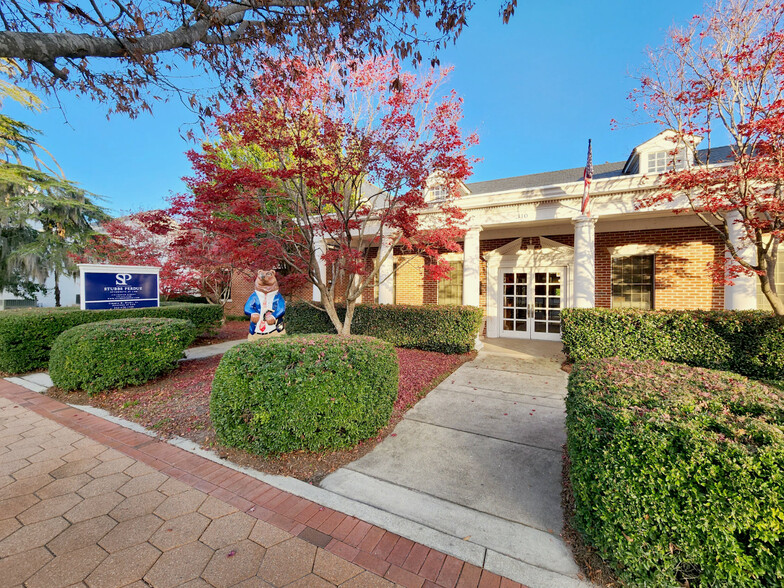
[[633, 249]]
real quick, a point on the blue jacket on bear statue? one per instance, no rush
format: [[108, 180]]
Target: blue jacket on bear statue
[[265, 306]]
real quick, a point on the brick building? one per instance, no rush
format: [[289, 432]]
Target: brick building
[[529, 253]]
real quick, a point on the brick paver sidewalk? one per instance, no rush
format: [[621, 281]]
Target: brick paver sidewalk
[[85, 501]]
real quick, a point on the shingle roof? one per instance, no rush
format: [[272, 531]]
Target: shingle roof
[[604, 170], [600, 172]]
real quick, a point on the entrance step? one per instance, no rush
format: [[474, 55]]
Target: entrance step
[[525, 554]]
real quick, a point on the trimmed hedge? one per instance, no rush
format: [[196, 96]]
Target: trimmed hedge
[[446, 329], [114, 354], [678, 472], [26, 336], [746, 342], [313, 393]]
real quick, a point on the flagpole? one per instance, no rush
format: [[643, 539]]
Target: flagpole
[[587, 176]]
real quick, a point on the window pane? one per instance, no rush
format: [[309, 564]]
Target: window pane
[[450, 290], [632, 282]]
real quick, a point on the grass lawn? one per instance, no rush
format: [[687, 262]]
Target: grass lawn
[[178, 405]]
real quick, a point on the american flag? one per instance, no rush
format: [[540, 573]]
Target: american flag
[[587, 176]]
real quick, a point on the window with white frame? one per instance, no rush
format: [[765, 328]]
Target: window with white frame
[[662, 161], [632, 282], [438, 192], [450, 290]]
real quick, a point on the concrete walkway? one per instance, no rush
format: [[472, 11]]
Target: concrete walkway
[[479, 459]]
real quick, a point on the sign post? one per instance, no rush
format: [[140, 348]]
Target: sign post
[[118, 286]]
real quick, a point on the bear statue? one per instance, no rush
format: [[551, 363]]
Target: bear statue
[[265, 307]]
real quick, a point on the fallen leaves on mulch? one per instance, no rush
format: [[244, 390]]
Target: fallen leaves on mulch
[[229, 331], [179, 405], [421, 371]]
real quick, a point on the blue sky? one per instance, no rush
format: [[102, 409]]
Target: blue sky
[[534, 90]]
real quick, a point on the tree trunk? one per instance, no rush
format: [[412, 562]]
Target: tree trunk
[[332, 313], [350, 305], [56, 289], [775, 302]]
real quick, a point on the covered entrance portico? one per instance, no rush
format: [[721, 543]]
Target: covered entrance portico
[[527, 288]]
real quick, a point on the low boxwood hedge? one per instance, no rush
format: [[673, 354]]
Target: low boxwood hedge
[[446, 329], [113, 354], [26, 336], [747, 342], [678, 472], [291, 393]]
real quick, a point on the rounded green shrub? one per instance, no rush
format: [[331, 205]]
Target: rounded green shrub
[[314, 392], [678, 472], [27, 336], [113, 354]]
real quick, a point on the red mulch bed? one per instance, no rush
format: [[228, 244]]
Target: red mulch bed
[[229, 331], [179, 405]]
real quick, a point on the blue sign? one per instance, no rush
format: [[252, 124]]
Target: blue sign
[[119, 290]]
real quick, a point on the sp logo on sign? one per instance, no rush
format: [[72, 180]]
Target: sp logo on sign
[[122, 279]]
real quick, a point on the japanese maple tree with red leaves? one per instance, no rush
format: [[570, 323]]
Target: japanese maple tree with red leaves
[[143, 239], [333, 160], [723, 74]]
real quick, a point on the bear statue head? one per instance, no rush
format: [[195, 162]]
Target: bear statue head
[[266, 281]]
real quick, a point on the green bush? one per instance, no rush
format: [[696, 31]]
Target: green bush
[[316, 392], [26, 336], [446, 329], [747, 342], [114, 354], [678, 472]]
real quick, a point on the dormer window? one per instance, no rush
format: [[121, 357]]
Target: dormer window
[[439, 192], [663, 161]]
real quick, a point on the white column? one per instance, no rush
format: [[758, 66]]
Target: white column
[[584, 283], [386, 273], [471, 268], [319, 249], [742, 295]]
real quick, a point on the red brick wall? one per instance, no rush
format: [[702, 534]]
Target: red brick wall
[[241, 287], [683, 280], [682, 277], [409, 279]]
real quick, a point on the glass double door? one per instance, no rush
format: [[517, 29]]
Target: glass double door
[[531, 303]]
